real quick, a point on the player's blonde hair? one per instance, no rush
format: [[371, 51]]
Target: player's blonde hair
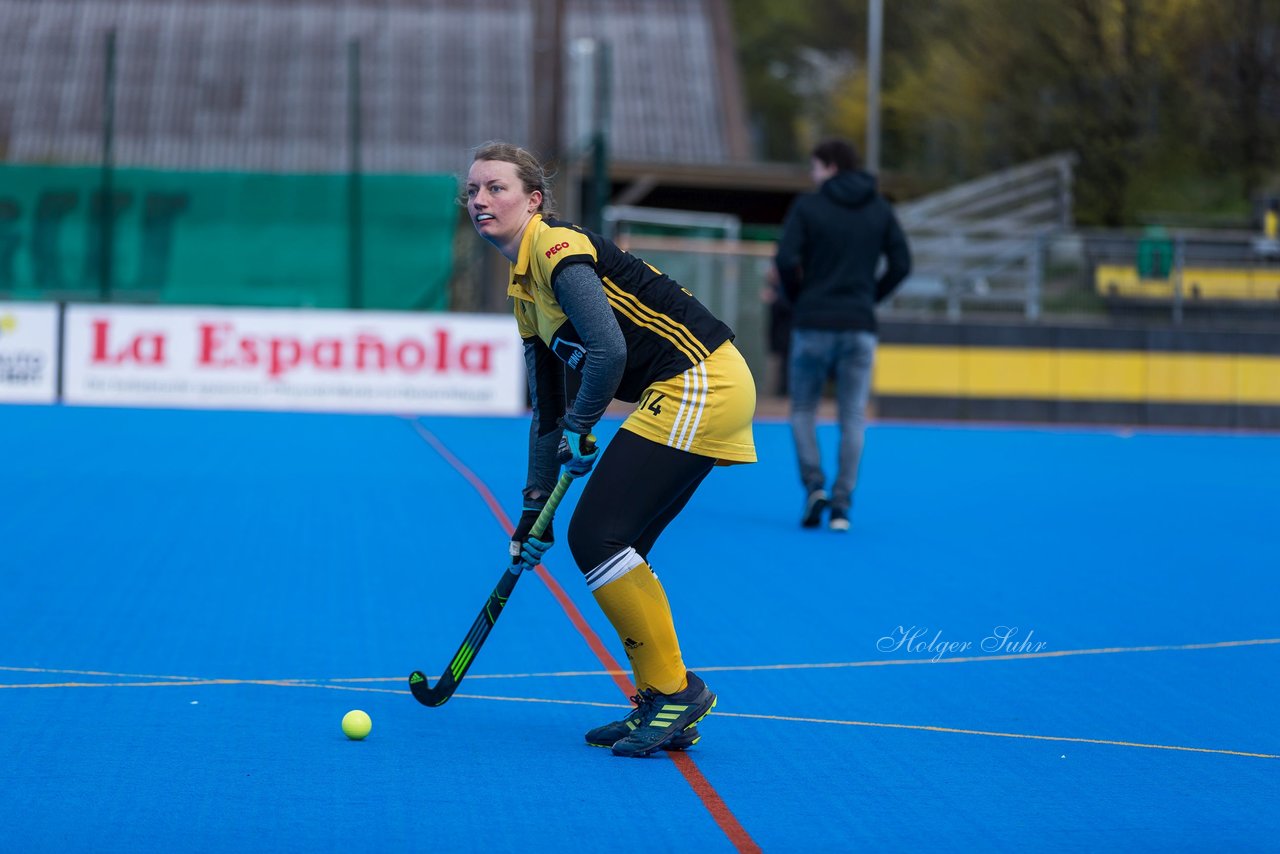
[[532, 174]]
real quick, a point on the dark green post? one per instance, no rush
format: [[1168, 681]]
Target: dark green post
[[106, 208], [355, 216], [601, 188]]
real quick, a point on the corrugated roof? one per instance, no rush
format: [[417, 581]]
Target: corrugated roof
[[263, 85]]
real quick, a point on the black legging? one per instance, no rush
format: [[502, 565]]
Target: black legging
[[637, 488]]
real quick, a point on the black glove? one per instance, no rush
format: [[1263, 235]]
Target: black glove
[[527, 550]]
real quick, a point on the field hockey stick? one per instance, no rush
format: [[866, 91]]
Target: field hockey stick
[[437, 695]]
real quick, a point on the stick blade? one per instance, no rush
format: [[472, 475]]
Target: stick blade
[[422, 691]]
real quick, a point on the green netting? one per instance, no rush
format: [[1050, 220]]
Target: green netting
[[226, 238]]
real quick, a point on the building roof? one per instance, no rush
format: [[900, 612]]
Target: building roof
[[263, 84]]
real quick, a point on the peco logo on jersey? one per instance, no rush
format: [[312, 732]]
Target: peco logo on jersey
[[554, 249]]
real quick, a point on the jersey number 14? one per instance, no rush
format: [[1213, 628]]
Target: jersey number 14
[[650, 402]]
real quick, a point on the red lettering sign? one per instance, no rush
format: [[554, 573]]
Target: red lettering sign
[[221, 346], [554, 249], [145, 348]]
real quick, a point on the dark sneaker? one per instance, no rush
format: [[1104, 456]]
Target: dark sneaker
[[813, 507], [839, 520], [610, 734], [666, 716]]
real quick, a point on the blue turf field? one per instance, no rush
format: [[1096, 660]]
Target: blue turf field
[[192, 600]]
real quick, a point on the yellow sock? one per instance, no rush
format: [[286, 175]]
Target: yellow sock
[[636, 605]]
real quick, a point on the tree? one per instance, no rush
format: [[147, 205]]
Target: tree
[[1173, 103], [1229, 59], [784, 50]]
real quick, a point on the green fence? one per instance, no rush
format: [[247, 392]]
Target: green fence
[[226, 238]]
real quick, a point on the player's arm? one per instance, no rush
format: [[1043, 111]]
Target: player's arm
[[791, 250], [581, 296], [898, 255], [546, 393]]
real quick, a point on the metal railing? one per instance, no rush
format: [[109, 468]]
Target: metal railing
[[983, 243]]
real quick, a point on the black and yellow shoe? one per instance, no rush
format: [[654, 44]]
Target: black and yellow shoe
[[611, 733], [665, 717]]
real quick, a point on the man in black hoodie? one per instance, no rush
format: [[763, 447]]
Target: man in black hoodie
[[827, 258]]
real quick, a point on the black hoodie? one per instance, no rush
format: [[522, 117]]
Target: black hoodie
[[831, 245]]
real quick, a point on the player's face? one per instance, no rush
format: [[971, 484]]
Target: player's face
[[496, 200]]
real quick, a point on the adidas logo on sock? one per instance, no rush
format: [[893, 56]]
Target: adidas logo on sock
[[632, 644]]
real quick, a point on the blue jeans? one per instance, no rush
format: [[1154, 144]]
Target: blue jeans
[[815, 355]]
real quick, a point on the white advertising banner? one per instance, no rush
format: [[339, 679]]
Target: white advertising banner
[[301, 359], [28, 352]]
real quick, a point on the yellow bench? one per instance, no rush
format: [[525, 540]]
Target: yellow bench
[[1251, 284]]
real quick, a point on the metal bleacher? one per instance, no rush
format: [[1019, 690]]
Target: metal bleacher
[[983, 243]]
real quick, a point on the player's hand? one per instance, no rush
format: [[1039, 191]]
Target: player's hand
[[527, 550], [578, 452]]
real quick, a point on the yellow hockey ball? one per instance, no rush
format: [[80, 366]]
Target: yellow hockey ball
[[356, 724]]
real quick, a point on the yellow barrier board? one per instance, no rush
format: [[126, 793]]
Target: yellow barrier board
[[1077, 375]]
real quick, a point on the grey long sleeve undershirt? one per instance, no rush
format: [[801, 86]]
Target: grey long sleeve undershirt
[[581, 294]]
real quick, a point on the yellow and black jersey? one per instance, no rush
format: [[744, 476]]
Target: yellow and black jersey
[[667, 330]]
